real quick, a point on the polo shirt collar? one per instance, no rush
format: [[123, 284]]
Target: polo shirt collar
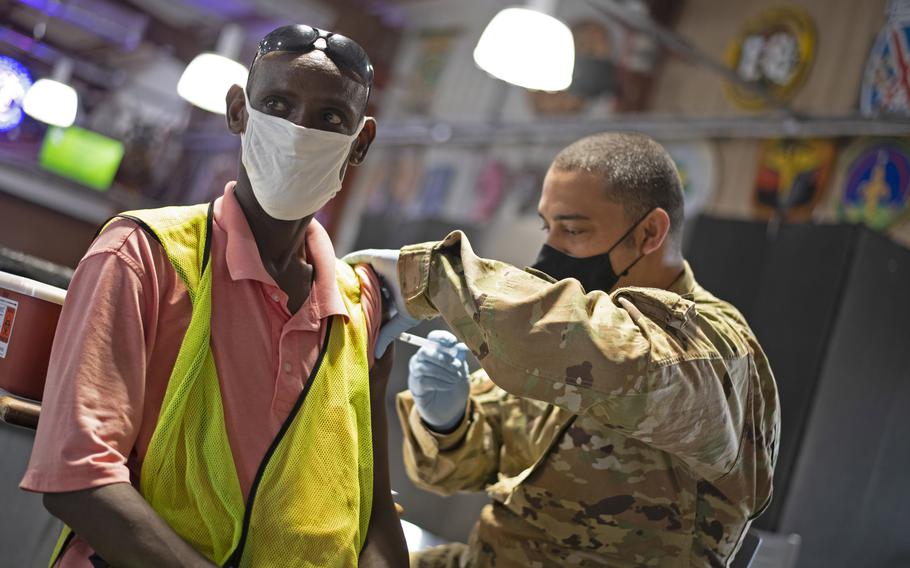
[[244, 262]]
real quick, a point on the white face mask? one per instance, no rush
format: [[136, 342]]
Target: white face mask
[[294, 170]]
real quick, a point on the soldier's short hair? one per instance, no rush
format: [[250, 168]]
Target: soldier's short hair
[[637, 171]]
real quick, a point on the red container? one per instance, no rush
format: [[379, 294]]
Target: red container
[[29, 311]]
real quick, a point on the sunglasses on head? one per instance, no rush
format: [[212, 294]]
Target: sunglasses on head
[[345, 52]]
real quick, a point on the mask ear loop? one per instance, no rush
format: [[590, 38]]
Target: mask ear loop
[[625, 272]]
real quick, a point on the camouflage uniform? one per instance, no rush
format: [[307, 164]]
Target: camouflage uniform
[[638, 428]]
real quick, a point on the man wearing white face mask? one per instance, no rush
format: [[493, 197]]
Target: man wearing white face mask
[[212, 396]]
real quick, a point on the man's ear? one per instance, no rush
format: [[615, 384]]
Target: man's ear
[[654, 229], [362, 144], [236, 109]]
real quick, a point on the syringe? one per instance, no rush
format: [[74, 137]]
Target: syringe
[[414, 340]]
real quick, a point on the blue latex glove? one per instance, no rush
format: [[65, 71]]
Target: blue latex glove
[[438, 380], [385, 264]]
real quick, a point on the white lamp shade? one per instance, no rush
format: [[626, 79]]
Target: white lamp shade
[[527, 48], [206, 80], [51, 102]]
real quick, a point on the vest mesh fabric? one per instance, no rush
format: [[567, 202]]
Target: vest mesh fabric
[[322, 463], [311, 500], [331, 441]]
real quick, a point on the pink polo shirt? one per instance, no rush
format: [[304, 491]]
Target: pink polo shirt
[[124, 319]]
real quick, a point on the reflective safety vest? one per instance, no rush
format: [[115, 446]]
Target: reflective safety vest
[[311, 499]]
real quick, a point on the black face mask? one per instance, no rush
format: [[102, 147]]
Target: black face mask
[[594, 272]]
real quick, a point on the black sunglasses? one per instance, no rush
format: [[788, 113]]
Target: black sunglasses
[[345, 52]]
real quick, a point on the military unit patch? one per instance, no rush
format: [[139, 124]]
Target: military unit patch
[[886, 82], [775, 50], [792, 177], [876, 183]]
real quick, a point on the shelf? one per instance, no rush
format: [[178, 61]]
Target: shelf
[[662, 127], [63, 196]]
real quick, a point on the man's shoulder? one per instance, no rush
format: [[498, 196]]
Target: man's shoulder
[[125, 240], [728, 326], [695, 324], [663, 307], [710, 304], [120, 235], [149, 224], [164, 218]]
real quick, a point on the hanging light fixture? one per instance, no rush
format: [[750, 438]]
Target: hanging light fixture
[[51, 100], [528, 47], [206, 80]]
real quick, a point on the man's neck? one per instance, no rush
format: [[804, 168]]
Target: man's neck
[[280, 243], [660, 269]]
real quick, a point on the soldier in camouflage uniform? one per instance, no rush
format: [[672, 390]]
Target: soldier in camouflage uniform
[[637, 427]]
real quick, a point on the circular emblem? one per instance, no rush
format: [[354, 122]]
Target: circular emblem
[[14, 82], [697, 165], [792, 176], [876, 183], [886, 80], [775, 51]]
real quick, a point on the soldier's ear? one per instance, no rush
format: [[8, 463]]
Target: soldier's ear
[[653, 229]]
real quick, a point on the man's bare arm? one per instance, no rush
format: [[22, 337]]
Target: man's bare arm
[[385, 544], [122, 527]]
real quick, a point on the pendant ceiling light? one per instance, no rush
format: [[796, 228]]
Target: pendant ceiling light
[[51, 100], [207, 78], [528, 47]]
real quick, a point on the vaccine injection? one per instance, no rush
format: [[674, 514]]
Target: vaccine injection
[[414, 340], [459, 351]]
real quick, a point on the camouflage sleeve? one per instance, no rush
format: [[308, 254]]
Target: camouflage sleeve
[[466, 459], [633, 359]]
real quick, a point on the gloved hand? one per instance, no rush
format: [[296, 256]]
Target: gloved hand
[[385, 264], [438, 380]]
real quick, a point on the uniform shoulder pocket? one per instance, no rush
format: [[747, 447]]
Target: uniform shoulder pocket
[[665, 308]]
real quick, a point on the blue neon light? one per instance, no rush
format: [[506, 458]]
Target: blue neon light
[[15, 81]]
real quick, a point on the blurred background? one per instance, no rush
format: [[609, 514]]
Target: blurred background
[[789, 122]]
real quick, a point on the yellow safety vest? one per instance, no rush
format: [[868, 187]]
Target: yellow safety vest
[[311, 499]]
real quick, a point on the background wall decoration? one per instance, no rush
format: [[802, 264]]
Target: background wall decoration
[[876, 182], [886, 81], [775, 50], [792, 176], [696, 162], [434, 49]]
